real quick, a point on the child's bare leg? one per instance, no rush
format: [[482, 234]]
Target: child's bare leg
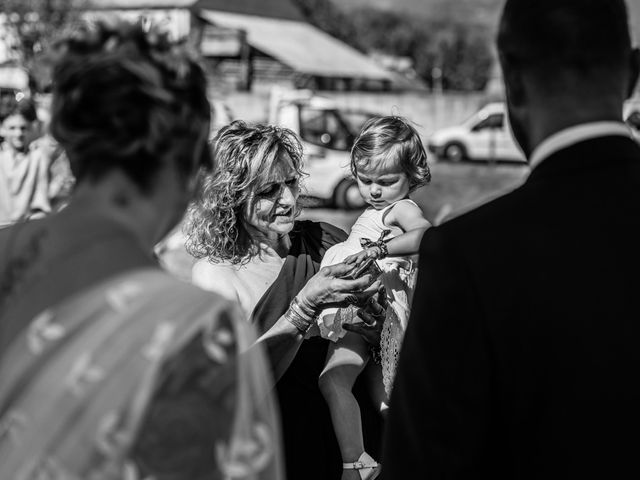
[[345, 361], [373, 376]]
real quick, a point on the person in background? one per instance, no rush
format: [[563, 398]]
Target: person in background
[[35, 176], [521, 355], [109, 366], [24, 167], [243, 229]]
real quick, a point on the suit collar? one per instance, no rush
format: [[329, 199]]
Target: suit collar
[[591, 153], [572, 135]]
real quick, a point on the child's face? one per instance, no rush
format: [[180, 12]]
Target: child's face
[[14, 129], [383, 185]]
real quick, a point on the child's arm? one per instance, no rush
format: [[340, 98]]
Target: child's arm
[[410, 220]]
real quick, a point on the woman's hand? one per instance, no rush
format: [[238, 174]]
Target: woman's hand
[[373, 315], [327, 289]]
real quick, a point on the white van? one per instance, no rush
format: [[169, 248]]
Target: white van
[[327, 133], [485, 136]]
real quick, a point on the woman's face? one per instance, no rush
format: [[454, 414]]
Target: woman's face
[[271, 209]]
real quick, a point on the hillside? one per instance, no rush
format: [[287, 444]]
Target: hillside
[[485, 12]]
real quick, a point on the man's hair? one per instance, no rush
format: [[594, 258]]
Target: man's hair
[[577, 35], [9, 106], [244, 156], [126, 97], [391, 139]]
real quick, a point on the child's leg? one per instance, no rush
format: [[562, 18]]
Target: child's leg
[[373, 375], [345, 360]]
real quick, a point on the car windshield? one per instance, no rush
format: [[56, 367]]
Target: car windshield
[[331, 128], [355, 120]]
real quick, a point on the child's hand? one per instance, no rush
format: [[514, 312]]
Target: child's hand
[[358, 258], [372, 315]]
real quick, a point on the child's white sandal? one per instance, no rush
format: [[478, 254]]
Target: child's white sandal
[[365, 461]]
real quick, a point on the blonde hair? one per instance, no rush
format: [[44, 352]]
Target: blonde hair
[[244, 156], [392, 139]]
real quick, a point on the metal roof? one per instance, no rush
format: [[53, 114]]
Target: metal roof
[[300, 46], [134, 4], [285, 9]]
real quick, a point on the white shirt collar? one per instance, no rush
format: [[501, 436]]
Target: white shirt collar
[[572, 135]]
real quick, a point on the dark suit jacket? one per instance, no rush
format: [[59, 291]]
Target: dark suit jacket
[[522, 355]]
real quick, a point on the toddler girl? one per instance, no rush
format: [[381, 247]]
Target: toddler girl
[[389, 162]]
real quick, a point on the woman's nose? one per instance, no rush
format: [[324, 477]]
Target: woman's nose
[[288, 195]]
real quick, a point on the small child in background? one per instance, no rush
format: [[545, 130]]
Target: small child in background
[[389, 162]]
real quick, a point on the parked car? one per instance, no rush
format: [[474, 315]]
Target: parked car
[[485, 136], [327, 132]]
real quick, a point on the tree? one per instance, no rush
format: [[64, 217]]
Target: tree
[[446, 50], [31, 25], [329, 18]]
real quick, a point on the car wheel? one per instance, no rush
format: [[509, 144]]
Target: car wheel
[[455, 152], [347, 196]]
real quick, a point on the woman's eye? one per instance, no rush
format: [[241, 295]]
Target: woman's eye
[[269, 191], [291, 182]]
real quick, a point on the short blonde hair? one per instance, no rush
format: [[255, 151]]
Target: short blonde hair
[[392, 139]]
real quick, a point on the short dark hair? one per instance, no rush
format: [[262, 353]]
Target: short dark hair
[[25, 107], [581, 35], [392, 138], [127, 97]]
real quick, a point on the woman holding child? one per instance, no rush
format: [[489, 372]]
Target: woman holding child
[[243, 229]]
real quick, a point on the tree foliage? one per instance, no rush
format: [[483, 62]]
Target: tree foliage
[[447, 52], [32, 25]]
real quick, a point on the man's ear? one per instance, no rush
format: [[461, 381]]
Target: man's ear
[[634, 71]]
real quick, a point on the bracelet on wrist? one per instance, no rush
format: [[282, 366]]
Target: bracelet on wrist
[[300, 316], [380, 245], [297, 321], [305, 308], [384, 250]]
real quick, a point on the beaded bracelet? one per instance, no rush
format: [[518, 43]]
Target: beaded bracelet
[[384, 249], [380, 244]]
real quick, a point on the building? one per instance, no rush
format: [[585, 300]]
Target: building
[[255, 44]]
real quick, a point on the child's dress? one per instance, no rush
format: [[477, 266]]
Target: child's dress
[[399, 275]]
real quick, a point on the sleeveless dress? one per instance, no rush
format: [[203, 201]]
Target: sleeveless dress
[[399, 277]]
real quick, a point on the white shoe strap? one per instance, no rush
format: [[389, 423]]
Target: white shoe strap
[[359, 465]]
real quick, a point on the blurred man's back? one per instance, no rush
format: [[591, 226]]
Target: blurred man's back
[[522, 350]]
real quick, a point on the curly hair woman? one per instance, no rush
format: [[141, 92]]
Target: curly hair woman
[[243, 228]]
